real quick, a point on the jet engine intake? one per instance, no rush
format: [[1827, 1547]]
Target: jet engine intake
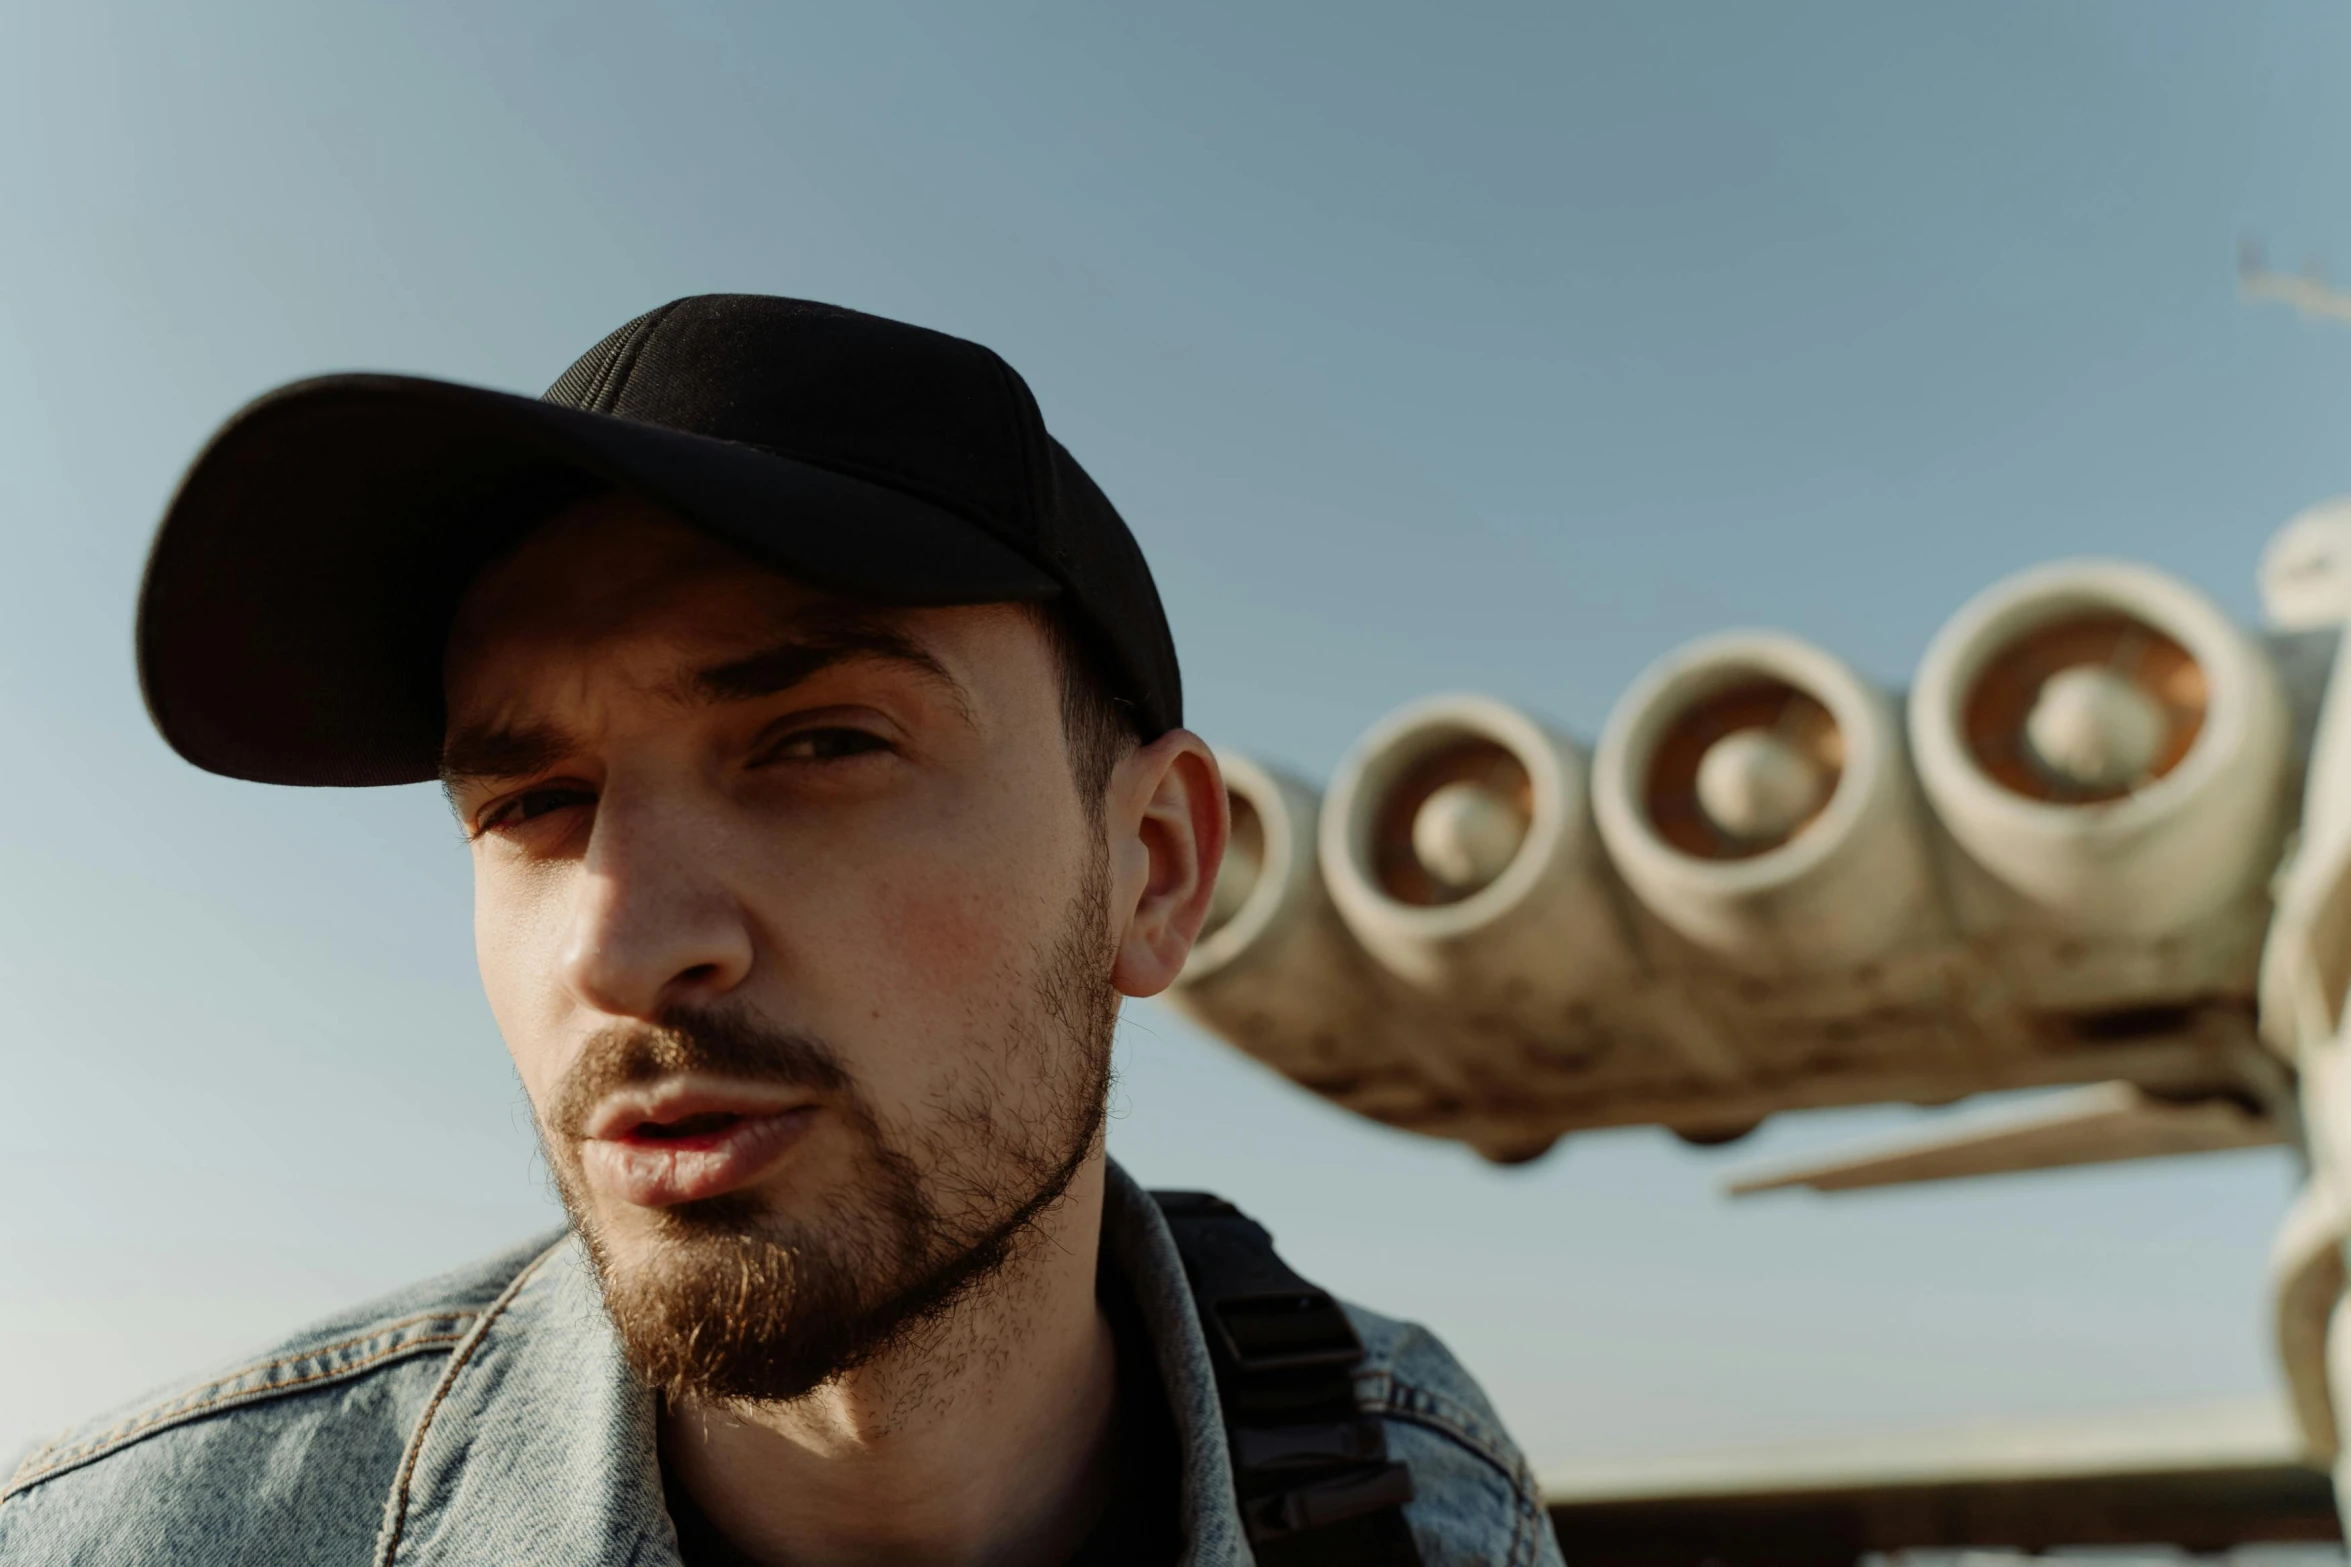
[[2106, 751], [1755, 794], [1458, 846]]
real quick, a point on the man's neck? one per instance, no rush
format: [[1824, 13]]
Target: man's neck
[[986, 1439]]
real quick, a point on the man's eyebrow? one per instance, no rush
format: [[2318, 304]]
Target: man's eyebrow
[[490, 751], [787, 664]]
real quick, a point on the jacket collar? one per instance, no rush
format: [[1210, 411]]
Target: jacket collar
[[539, 1446]]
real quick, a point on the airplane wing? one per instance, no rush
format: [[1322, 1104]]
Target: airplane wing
[[2205, 1478], [2099, 1124]]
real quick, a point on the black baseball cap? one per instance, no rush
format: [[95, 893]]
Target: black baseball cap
[[301, 586]]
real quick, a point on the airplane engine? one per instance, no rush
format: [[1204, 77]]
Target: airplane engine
[[1458, 846], [1277, 972], [2106, 751], [1755, 794]]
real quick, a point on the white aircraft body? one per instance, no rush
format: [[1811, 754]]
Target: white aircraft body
[[2104, 840]]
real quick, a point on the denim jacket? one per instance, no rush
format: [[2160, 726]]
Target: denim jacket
[[486, 1417]]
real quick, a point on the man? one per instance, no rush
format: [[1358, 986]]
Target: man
[[817, 732]]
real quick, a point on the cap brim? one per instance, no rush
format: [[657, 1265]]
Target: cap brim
[[301, 586]]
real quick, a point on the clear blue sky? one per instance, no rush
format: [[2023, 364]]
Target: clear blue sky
[[1498, 347]]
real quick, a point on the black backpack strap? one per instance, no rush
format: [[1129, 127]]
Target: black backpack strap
[[1316, 1484]]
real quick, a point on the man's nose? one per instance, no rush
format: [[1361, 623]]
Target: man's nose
[[655, 919]]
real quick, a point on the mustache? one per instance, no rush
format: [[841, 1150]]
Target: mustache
[[724, 1041]]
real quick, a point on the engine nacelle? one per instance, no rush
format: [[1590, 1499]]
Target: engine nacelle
[[1755, 795], [2105, 750], [1276, 971], [1458, 846], [1772, 891]]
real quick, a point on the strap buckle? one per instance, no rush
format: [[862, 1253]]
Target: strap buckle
[[1364, 1489], [1321, 1444], [1300, 1330]]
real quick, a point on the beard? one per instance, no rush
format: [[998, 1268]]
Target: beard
[[731, 1301]]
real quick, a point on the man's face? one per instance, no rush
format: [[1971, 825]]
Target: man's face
[[794, 921]]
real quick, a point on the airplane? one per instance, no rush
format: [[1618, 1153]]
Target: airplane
[[2307, 292], [2102, 844]]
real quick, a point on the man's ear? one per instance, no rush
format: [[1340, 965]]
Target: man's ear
[[1168, 821]]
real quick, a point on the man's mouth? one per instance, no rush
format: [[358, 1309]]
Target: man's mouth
[[678, 1142]]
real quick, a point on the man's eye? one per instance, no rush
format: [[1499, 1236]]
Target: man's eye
[[532, 804], [822, 745]]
